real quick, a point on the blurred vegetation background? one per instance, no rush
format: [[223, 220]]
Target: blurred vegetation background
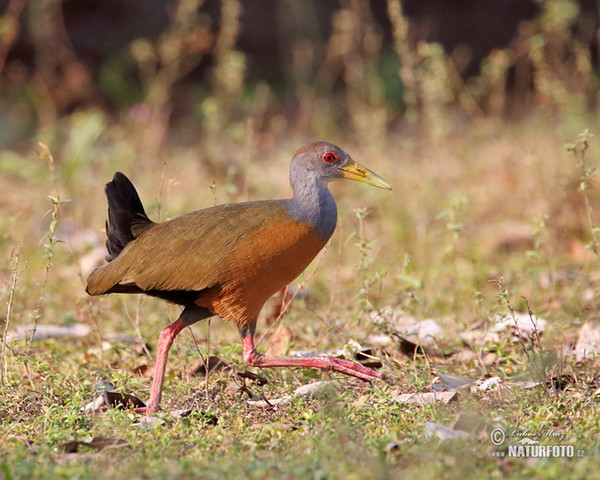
[[195, 68]]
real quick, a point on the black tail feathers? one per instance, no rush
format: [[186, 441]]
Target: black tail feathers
[[126, 216]]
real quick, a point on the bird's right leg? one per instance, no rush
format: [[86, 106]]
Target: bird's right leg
[[255, 359]]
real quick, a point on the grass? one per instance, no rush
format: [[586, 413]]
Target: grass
[[433, 248]]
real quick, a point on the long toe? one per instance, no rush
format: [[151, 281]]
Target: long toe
[[355, 369]]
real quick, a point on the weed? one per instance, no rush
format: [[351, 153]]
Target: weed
[[49, 249], [539, 361], [577, 150], [370, 282]]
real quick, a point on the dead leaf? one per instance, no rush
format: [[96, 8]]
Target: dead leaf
[[380, 340], [258, 379], [493, 383], [420, 337], [269, 403], [426, 398], [443, 432], [311, 390], [282, 301], [181, 413], [97, 351], [588, 340], [427, 333], [110, 399], [466, 355], [521, 326], [95, 405], [214, 364], [316, 389], [116, 399], [455, 383], [280, 341], [489, 359], [96, 443]]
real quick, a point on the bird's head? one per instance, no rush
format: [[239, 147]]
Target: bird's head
[[327, 162]]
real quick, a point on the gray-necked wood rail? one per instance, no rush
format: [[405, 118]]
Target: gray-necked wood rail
[[229, 259]]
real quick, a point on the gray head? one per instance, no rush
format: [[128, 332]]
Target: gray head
[[321, 162], [313, 167]]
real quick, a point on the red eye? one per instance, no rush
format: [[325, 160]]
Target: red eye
[[329, 157]]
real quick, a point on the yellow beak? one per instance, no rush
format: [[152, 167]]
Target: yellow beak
[[355, 171]]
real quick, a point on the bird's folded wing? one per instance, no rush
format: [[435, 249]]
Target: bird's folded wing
[[192, 252]]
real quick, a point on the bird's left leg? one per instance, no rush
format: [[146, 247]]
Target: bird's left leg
[[165, 340], [255, 359]]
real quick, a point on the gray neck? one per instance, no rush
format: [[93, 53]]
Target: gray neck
[[312, 202]]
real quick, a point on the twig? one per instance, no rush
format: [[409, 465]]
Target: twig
[[213, 191], [136, 326], [207, 361], [204, 359], [160, 190], [9, 304]]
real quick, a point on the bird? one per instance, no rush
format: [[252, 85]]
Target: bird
[[228, 260]]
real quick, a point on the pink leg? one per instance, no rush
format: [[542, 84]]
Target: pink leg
[[165, 340], [255, 359]]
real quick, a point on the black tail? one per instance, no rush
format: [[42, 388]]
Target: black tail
[[126, 216]]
